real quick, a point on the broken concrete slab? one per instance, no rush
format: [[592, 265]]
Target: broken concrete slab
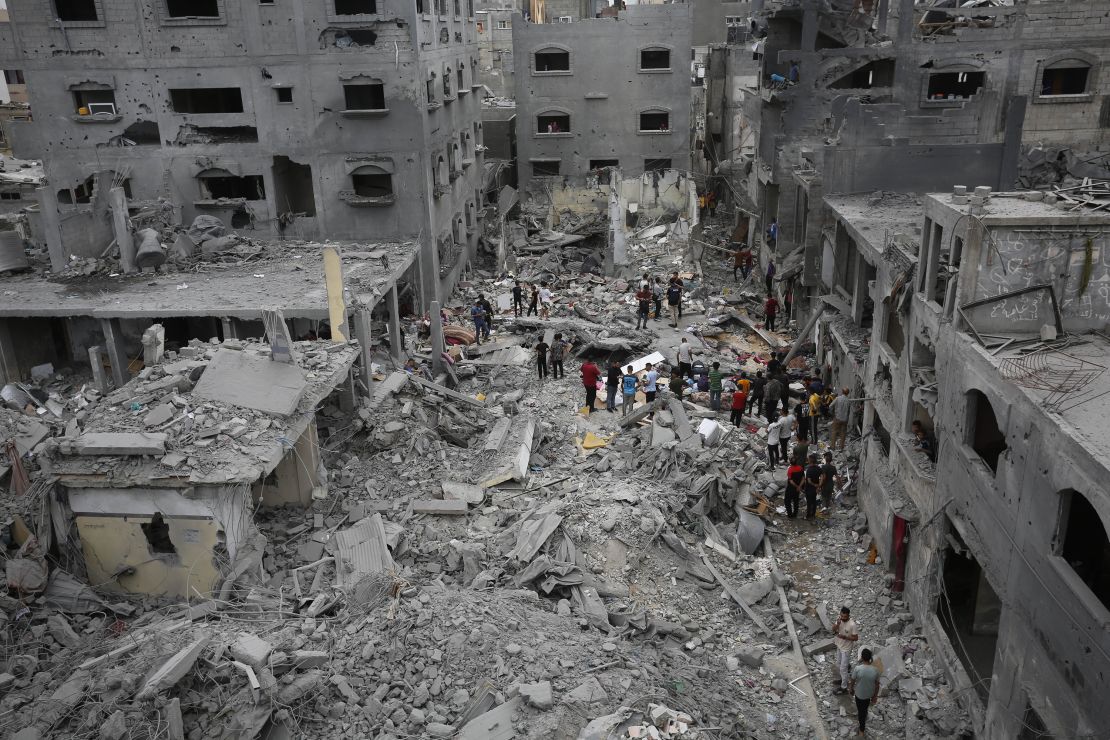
[[459, 491], [538, 695], [821, 646], [252, 382], [159, 415], [116, 443], [661, 435], [496, 724], [362, 549], [174, 669], [586, 693], [440, 506], [250, 649]]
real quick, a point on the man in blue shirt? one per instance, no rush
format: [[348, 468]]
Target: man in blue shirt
[[629, 384]]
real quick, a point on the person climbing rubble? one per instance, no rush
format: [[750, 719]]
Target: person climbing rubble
[[838, 429]]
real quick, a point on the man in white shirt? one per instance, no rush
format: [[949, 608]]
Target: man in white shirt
[[685, 358], [846, 636], [773, 431], [841, 410], [545, 301], [650, 387]]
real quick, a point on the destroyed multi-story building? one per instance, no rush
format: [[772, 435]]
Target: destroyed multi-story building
[[337, 119], [908, 292], [603, 93], [495, 47]]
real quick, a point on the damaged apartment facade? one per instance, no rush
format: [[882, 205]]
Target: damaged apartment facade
[[330, 119], [979, 314]]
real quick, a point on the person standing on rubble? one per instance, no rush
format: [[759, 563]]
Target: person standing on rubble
[[801, 421], [612, 383], [769, 276], [711, 202], [590, 374], [801, 449], [489, 312], [846, 635], [786, 433], [541, 357], [755, 396], [770, 310], [701, 205], [677, 384], [773, 235], [674, 300], [478, 314], [545, 302], [657, 292], [830, 477], [643, 306], [739, 401], [558, 349], [651, 380], [814, 409], [629, 384], [518, 299], [771, 392], [838, 431], [812, 486], [773, 443], [716, 383], [865, 687], [533, 305], [795, 477], [685, 359]]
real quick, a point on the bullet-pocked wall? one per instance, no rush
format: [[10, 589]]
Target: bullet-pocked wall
[[318, 119], [604, 92]]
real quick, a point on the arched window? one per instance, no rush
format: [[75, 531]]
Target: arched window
[[1081, 541], [655, 119], [553, 122], [453, 160], [1065, 77], [446, 82], [457, 229], [219, 183], [655, 58], [551, 59], [983, 432], [370, 181]]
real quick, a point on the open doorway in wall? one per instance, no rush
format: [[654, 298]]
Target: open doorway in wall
[[293, 187], [969, 611]]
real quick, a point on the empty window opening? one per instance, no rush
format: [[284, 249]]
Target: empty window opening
[[882, 434], [1033, 727], [655, 121], [193, 8], [157, 534], [293, 187], [895, 336], [84, 192], [355, 7], [143, 133], [241, 218], [207, 100], [14, 77], [11, 196], [284, 94], [350, 37], [431, 89], [552, 123], [545, 169], [875, 74], [655, 59], [504, 26], [955, 85], [446, 82], [189, 134], [554, 60], [215, 186], [94, 102], [656, 165], [1084, 545], [984, 435], [75, 11], [461, 74], [969, 610], [1065, 80], [458, 8], [364, 97], [372, 184]]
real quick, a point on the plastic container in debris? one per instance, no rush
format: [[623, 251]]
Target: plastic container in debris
[[12, 256]]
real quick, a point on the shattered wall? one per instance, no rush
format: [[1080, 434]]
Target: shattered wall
[[602, 97], [495, 50]]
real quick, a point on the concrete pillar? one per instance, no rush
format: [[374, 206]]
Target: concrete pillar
[[362, 331], [230, 327], [437, 339], [52, 228], [884, 11], [117, 354], [395, 324], [337, 300], [121, 228], [809, 29], [932, 262], [616, 223], [9, 363], [859, 291], [1011, 147], [96, 360], [154, 344]]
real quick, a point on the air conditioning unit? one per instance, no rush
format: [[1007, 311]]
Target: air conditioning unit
[[566, 19]]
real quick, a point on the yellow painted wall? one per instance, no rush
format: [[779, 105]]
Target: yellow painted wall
[[111, 543], [295, 476]]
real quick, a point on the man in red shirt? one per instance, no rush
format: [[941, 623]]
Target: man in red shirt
[[739, 399], [590, 374], [770, 308], [795, 475]]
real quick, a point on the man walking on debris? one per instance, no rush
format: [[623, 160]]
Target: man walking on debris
[[478, 314], [795, 477], [674, 299], [590, 374], [812, 486], [489, 312], [558, 349], [841, 408], [533, 304], [685, 359], [518, 299], [541, 357], [629, 384], [865, 687], [716, 382], [612, 384], [770, 310], [677, 384], [643, 306], [846, 636]]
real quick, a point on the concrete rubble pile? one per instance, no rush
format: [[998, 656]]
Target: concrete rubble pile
[[487, 561]]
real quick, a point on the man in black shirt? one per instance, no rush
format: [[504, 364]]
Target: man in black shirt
[[755, 398], [612, 384], [812, 485], [518, 299], [541, 349], [829, 479]]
